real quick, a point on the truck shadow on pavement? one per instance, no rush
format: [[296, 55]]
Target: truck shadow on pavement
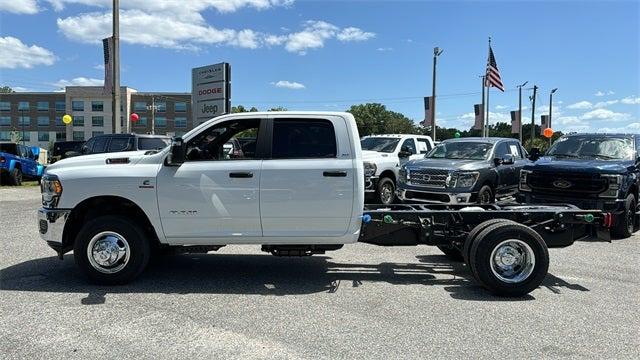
[[256, 275]]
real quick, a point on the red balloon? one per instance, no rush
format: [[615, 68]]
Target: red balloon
[[134, 117], [548, 132]]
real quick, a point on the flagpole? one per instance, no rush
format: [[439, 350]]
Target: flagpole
[[486, 134], [115, 93], [482, 110]]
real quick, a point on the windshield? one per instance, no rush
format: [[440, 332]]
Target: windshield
[[152, 143], [470, 150], [63, 147], [387, 145], [600, 147]]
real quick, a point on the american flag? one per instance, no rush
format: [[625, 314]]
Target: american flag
[[107, 46], [493, 74]]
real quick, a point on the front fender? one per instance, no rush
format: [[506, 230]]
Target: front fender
[[40, 170], [12, 164]]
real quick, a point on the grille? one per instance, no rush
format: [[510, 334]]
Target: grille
[[427, 196], [428, 177], [567, 182]]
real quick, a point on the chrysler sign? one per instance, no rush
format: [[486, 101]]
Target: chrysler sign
[[210, 91]]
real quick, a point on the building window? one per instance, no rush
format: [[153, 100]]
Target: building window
[[78, 136], [43, 121], [140, 106], [59, 121], [161, 121], [181, 107], [5, 135], [97, 106], [181, 122], [26, 136], [142, 122], [77, 105], [43, 136], [96, 133], [97, 121], [61, 106], [43, 106], [5, 105], [5, 120], [61, 136], [24, 121], [23, 105], [161, 106], [78, 120]]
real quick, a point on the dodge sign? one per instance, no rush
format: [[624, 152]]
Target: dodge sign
[[210, 91]]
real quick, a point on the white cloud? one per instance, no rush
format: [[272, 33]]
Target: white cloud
[[384, 49], [501, 107], [604, 114], [16, 54], [354, 34], [19, 6], [603, 104], [288, 85], [79, 81], [633, 127], [19, 89], [603, 93], [581, 105], [180, 7], [630, 100], [99, 67]]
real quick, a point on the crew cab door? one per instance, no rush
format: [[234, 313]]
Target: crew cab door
[[29, 166], [214, 194], [308, 179], [506, 172]]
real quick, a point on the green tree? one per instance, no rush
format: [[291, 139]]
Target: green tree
[[278, 108], [238, 109], [6, 90], [374, 118]]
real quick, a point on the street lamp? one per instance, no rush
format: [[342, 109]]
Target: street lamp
[[520, 108], [551, 110], [436, 52]]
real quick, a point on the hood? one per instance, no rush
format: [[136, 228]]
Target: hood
[[368, 154], [447, 164], [552, 163], [97, 159]]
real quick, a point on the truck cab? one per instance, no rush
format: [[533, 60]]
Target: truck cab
[[591, 171], [383, 156]]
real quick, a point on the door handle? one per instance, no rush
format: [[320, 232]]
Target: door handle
[[242, 174], [334, 174]]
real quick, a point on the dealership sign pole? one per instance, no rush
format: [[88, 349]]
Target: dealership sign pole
[[210, 92]]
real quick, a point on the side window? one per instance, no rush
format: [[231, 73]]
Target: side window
[[121, 144], [423, 146], [230, 140], [88, 146], [100, 145], [409, 145], [514, 149], [501, 150], [303, 139]]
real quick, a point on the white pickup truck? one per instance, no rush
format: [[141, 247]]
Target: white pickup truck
[[383, 156], [296, 188]]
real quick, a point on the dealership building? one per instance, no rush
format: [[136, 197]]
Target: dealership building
[[36, 117]]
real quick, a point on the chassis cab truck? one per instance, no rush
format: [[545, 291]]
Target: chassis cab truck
[[295, 188]]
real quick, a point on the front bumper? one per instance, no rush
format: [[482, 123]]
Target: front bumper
[[614, 206], [436, 197], [370, 184], [51, 224]]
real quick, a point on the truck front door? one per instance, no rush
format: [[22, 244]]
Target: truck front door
[[307, 184], [214, 193]]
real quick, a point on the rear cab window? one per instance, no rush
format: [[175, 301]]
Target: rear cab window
[[145, 143], [303, 139], [121, 144], [423, 146]]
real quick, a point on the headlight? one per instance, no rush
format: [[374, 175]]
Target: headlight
[[403, 174], [462, 179], [369, 169], [523, 180], [615, 181], [51, 189]]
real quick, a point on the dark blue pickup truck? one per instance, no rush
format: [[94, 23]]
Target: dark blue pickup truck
[[591, 171], [18, 161]]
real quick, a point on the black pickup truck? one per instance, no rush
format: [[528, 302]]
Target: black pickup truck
[[591, 171]]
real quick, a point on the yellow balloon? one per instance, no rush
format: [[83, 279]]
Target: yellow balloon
[[67, 119]]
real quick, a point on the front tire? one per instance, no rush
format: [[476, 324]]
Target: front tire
[[509, 259], [625, 222], [386, 191], [111, 250], [485, 195], [16, 177]]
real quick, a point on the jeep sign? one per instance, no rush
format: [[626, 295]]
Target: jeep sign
[[210, 91]]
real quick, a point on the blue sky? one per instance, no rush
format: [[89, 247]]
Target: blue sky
[[328, 55]]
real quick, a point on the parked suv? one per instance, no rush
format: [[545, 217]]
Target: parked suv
[[65, 149], [464, 170], [124, 142], [591, 171], [383, 155], [18, 161]]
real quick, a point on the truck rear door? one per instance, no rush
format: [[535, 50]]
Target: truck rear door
[[308, 179]]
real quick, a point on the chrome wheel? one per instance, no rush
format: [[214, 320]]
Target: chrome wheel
[[386, 193], [108, 252], [512, 261], [485, 197]]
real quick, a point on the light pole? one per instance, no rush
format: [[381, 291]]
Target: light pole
[[520, 108], [152, 107], [436, 52], [533, 114], [551, 111], [22, 124]]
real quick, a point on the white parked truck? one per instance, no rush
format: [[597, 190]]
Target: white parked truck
[[383, 156], [296, 188]]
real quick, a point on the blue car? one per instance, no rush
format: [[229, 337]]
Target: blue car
[[18, 161]]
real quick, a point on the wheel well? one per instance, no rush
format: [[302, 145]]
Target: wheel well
[[388, 174], [105, 205], [634, 190], [17, 165]]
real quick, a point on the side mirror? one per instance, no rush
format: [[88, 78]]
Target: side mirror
[[508, 159], [177, 153], [534, 154], [404, 154]]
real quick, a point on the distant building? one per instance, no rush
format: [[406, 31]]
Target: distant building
[[38, 115]]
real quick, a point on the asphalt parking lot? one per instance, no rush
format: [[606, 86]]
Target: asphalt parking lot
[[359, 302]]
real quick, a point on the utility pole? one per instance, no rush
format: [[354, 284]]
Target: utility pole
[[482, 110], [533, 114], [520, 108], [551, 110], [152, 107], [436, 52], [115, 94]]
